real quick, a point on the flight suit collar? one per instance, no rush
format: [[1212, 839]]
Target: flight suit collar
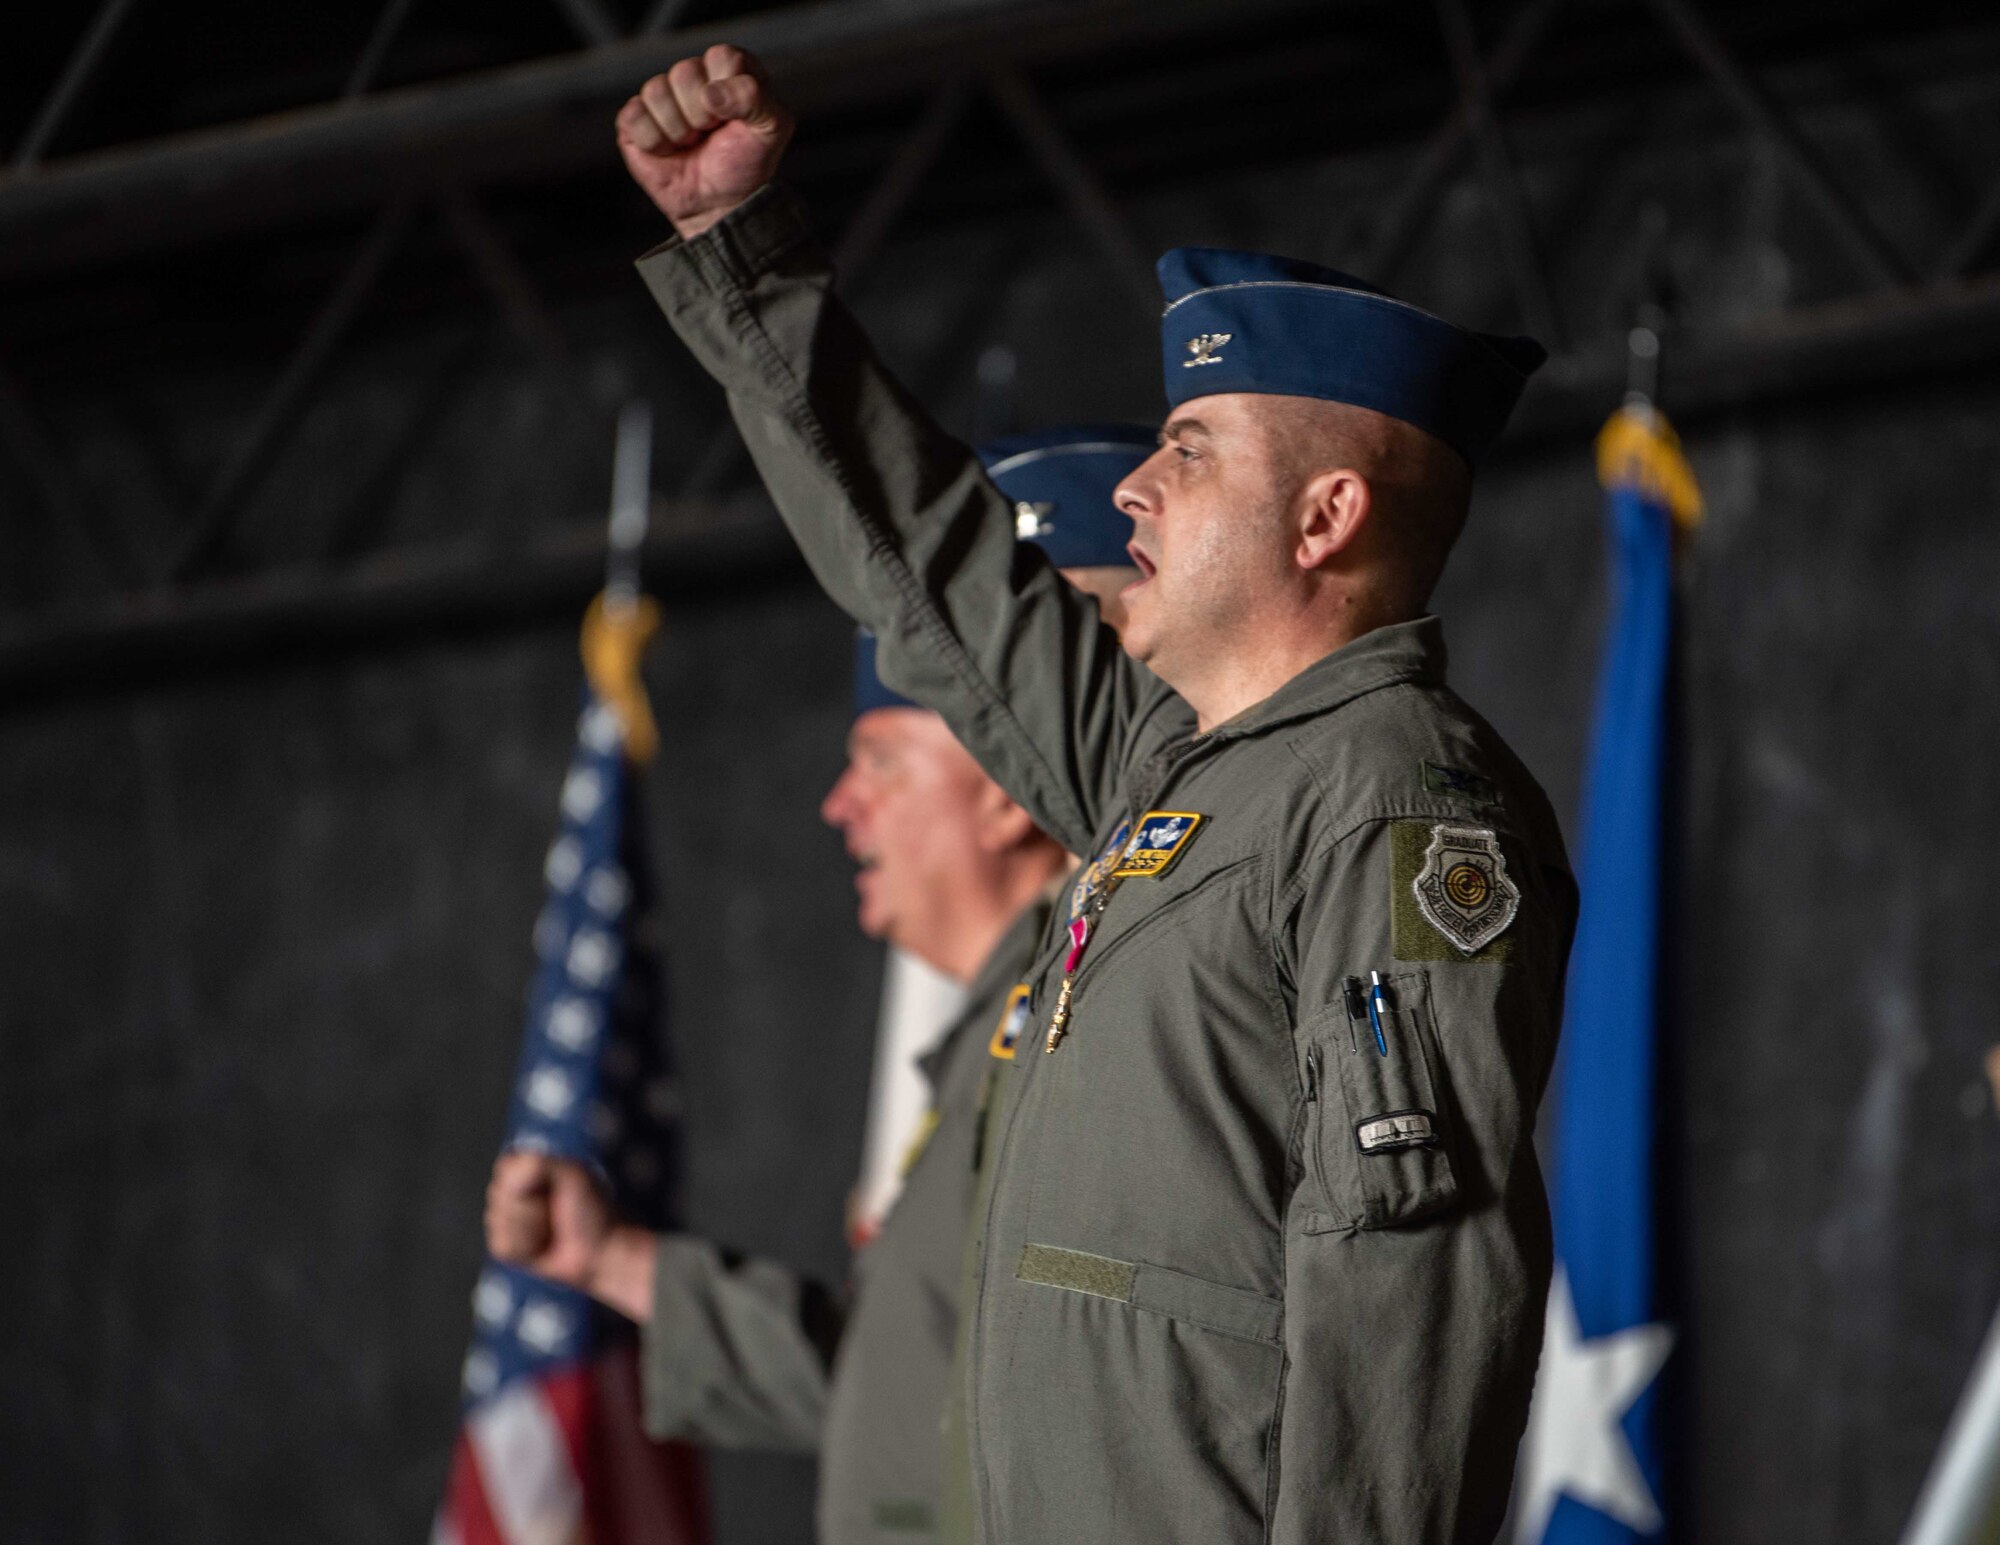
[[1386, 657], [1002, 968]]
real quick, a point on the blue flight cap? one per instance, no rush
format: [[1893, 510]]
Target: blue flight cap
[[1061, 482], [869, 691], [1253, 322]]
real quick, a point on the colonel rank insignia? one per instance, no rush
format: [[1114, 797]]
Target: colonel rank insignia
[[1031, 519], [1202, 347], [1463, 890], [1013, 1020], [1161, 837]]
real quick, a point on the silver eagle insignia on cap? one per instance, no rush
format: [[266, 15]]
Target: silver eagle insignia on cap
[[1031, 519], [1463, 889], [1203, 346]]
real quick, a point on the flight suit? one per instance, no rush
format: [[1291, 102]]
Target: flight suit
[[1266, 1248], [749, 1354]]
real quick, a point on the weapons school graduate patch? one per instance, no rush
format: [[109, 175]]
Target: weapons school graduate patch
[[1013, 1020], [1162, 836], [1093, 874], [1450, 894]]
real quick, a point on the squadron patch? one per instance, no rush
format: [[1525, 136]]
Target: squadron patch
[[1092, 876], [1463, 890], [1161, 837], [1013, 1020]]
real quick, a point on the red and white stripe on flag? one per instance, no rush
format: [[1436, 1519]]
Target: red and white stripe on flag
[[561, 1460]]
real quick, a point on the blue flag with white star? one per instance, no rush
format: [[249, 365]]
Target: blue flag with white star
[[1592, 1464], [550, 1445]]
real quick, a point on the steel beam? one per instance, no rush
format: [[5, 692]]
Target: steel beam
[[1793, 359], [70, 84], [594, 27], [288, 398], [394, 599], [376, 49], [1395, 235], [898, 184], [1980, 232], [397, 598], [1077, 185], [545, 118], [1867, 245], [1505, 196]]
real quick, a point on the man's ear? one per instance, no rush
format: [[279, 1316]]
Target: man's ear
[[1002, 823], [1332, 511]]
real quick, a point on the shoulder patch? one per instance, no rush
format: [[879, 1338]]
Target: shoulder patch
[[1013, 1020], [1160, 837], [1451, 897], [1439, 779]]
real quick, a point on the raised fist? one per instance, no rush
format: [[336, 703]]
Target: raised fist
[[703, 137], [547, 1215]]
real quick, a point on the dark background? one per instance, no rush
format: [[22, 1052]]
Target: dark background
[[287, 663]]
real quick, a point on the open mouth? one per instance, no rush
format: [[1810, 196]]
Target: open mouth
[[1140, 562]]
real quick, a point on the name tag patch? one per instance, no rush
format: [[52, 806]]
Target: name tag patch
[[1397, 1130], [1161, 837], [1013, 1020]]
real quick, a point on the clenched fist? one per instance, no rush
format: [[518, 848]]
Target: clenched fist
[[546, 1214], [703, 137]]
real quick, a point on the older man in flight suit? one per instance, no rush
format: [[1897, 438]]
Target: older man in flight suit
[[1266, 1247], [742, 1353]]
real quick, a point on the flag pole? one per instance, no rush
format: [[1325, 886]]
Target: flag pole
[[631, 501], [1960, 1504]]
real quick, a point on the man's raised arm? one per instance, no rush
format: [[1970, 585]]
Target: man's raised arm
[[896, 518]]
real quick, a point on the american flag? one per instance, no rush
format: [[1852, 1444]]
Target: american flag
[[550, 1450]]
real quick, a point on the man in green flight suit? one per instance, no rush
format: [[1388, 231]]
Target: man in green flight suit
[[1266, 1247], [747, 1353]]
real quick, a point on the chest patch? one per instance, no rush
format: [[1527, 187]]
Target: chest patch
[[1450, 895], [1160, 838], [1090, 879], [1013, 1020]]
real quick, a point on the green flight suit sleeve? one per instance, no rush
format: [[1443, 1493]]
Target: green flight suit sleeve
[[1417, 1250], [899, 522], [737, 1351]]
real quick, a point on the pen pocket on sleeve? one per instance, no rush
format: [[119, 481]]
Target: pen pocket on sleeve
[[1381, 1139]]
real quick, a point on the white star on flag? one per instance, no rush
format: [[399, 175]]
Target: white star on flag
[[564, 863], [572, 1023], [593, 956], [543, 1326], [549, 1091], [1575, 1444], [492, 1300], [582, 793]]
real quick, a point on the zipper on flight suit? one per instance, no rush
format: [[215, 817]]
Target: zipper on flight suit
[[1172, 761]]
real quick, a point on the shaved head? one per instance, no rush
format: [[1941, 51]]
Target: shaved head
[[1421, 487]]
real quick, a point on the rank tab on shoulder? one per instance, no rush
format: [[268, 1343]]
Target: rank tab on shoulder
[[1159, 839], [1013, 1020]]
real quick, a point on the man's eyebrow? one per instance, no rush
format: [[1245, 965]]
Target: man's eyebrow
[[1184, 429]]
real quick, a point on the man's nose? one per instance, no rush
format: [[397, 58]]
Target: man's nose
[[837, 809], [1138, 494]]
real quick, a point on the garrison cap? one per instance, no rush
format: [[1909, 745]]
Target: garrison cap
[[1254, 322], [1061, 482]]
